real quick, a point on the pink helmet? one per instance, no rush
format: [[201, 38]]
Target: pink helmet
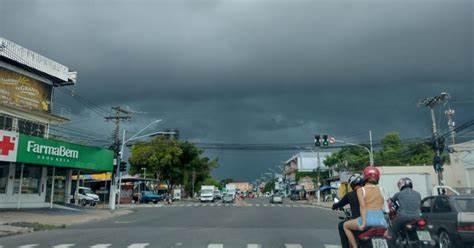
[[371, 172]]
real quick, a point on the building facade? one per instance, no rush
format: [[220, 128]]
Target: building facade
[[36, 171]]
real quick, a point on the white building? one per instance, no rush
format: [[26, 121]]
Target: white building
[[462, 163]]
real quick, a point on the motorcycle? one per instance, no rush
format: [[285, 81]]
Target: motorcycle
[[415, 233], [373, 237]]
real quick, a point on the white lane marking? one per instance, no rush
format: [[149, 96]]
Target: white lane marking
[[63, 246], [28, 246], [138, 245], [265, 205], [196, 204], [295, 206], [254, 246], [101, 246], [293, 246], [257, 205], [332, 246], [250, 205], [189, 205], [215, 246], [219, 204]]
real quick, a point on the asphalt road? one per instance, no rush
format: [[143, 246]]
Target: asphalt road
[[253, 224]]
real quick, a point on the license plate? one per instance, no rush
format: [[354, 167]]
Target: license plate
[[379, 243], [423, 235]]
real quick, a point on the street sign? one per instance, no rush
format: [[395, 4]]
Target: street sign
[[332, 140]]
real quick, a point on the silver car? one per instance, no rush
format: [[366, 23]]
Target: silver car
[[276, 198]]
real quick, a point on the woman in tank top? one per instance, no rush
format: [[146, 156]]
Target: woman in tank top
[[371, 204]]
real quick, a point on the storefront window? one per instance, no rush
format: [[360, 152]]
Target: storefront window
[[4, 167], [6, 123], [31, 128], [31, 179]]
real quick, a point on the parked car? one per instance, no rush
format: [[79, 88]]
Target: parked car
[[452, 218], [276, 198], [87, 197], [228, 198], [150, 196]]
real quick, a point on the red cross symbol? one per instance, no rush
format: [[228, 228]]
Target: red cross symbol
[[6, 145]]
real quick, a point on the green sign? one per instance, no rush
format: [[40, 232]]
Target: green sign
[[36, 150]]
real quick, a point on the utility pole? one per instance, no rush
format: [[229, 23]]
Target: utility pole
[[371, 154], [120, 115], [431, 103], [451, 124]]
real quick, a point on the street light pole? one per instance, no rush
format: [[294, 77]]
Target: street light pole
[[369, 151]]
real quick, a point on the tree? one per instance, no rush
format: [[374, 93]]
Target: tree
[[172, 161], [269, 186], [225, 181], [392, 148], [393, 153]]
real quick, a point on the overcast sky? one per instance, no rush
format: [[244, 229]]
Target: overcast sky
[[256, 71]]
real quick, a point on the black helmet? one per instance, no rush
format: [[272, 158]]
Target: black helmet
[[356, 180], [404, 182]]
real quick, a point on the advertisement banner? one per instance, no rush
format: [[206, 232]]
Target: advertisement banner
[[22, 148], [24, 92], [36, 150]]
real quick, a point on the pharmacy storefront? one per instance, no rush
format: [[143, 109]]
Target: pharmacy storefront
[[37, 172]]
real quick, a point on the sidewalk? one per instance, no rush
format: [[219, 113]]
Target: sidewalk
[[29, 220]]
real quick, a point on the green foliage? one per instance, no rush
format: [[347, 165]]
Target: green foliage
[[269, 186], [211, 181], [225, 181], [172, 161], [393, 153]]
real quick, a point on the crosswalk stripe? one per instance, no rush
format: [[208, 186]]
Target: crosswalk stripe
[[101, 246], [28, 246], [332, 246], [250, 205], [138, 245], [254, 246], [265, 205], [215, 246], [293, 246], [63, 246], [257, 205]]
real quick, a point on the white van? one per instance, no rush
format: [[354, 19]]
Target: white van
[[87, 197]]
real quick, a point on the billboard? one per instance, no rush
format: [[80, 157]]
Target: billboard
[[20, 91]]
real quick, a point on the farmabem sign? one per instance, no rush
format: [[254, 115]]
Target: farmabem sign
[[22, 148]]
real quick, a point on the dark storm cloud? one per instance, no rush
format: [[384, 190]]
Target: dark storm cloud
[[256, 71]]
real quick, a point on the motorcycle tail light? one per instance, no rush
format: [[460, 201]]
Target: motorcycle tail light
[[421, 223]]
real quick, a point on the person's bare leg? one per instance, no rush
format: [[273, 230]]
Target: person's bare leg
[[348, 227]]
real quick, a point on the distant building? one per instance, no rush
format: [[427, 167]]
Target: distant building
[[304, 162], [242, 186], [462, 163]]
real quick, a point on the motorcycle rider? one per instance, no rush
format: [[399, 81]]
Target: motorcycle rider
[[371, 206], [355, 181], [409, 204]]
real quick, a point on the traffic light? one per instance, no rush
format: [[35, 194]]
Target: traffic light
[[438, 163], [317, 140], [325, 140], [123, 166]]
